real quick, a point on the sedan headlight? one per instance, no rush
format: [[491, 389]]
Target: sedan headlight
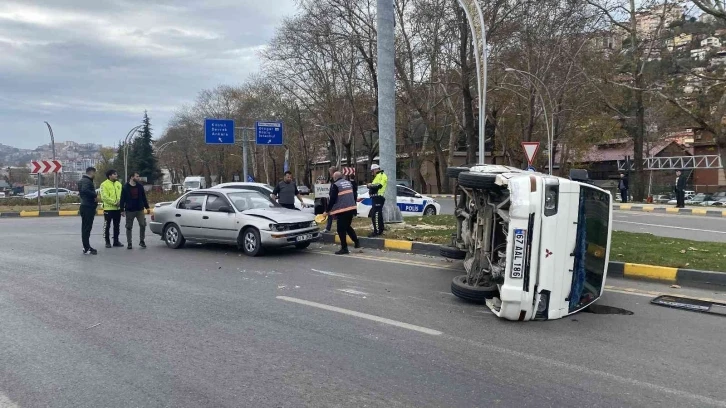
[[313, 224], [551, 196], [277, 227]]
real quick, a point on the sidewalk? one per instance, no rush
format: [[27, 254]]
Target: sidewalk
[[669, 209]]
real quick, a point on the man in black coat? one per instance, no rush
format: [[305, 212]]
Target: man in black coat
[[680, 189], [89, 203], [623, 186]]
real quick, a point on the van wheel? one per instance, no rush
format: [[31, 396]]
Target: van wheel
[[475, 294], [483, 181], [453, 172], [452, 252], [173, 236], [250, 242]]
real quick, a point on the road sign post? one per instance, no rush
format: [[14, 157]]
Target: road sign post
[[218, 131], [45, 167], [530, 151]]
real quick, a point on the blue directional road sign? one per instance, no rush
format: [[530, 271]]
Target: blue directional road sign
[[218, 131], [268, 133]]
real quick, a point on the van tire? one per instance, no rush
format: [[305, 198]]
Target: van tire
[[453, 172], [483, 181], [452, 252], [474, 294]]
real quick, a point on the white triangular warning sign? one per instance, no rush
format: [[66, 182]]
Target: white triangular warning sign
[[530, 150]]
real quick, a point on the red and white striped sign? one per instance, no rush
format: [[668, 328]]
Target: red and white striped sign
[[348, 171], [45, 166]]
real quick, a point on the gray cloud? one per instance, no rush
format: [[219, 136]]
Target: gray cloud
[[90, 67]]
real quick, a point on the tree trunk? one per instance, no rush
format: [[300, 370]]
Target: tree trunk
[[638, 140]]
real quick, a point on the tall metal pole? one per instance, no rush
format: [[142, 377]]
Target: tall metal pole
[[470, 7], [387, 105], [244, 155], [127, 140], [55, 174]]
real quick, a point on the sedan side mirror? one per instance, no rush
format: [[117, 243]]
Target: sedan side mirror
[[417, 195], [226, 209]]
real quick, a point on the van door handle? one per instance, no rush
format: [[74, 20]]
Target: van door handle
[[178, 215], [205, 217]]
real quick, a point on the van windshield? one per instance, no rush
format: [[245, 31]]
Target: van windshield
[[191, 184], [591, 247]]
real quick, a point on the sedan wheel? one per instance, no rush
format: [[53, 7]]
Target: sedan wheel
[[173, 236], [251, 244]]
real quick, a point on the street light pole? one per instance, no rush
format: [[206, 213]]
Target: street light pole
[[55, 174], [470, 7], [127, 140], [549, 126], [244, 151]]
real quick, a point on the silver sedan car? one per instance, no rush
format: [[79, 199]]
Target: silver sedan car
[[244, 218]]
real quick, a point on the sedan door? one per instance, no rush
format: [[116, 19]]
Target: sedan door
[[188, 215], [409, 202], [219, 226]]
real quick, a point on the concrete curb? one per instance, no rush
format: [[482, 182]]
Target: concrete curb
[[670, 210], [441, 195], [615, 269], [35, 214]]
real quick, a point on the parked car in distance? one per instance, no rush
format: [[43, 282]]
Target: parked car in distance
[[2, 194], [307, 205], [246, 218], [409, 201], [304, 190], [49, 192], [662, 198]]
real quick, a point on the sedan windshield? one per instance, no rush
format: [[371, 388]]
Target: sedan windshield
[[590, 248], [250, 200]]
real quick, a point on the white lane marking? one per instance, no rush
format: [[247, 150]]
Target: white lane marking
[[670, 226], [362, 315], [6, 403], [336, 274], [354, 292], [389, 260], [551, 363]]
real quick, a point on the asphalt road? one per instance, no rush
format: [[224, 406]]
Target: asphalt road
[[206, 327], [693, 227]]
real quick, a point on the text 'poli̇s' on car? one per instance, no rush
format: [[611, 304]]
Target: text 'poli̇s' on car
[[410, 202], [245, 218]]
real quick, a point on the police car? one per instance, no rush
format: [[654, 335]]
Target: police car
[[410, 202]]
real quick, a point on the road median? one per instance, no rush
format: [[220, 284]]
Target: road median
[[704, 211]]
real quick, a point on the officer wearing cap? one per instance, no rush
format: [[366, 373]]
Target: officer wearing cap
[[376, 190]]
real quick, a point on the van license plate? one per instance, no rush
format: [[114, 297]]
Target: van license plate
[[306, 237], [518, 254]]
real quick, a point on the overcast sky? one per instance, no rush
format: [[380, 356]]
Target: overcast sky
[[91, 67]]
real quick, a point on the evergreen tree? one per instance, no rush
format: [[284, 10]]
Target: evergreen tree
[[141, 154]]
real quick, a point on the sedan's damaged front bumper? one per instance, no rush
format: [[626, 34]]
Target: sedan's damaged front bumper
[[285, 238]]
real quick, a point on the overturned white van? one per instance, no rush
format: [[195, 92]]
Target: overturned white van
[[535, 247]]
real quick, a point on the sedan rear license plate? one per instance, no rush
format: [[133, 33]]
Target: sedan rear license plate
[[306, 237], [518, 254]]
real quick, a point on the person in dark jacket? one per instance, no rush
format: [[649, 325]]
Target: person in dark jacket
[[680, 188], [134, 206], [623, 186], [89, 202], [342, 205]]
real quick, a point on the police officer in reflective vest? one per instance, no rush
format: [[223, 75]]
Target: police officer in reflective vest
[[342, 205], [376, 190]]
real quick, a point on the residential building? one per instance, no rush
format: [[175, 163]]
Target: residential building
[[699, 54], [647, 22], [706, 18], [711, 42], [679, 42]]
